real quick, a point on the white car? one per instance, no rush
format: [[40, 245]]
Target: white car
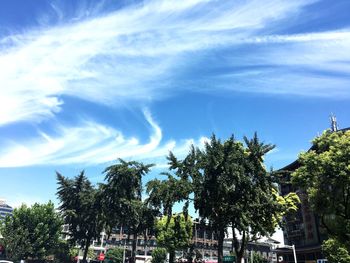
[[5, 261]]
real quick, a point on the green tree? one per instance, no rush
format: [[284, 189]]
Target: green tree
[[75, 252], [257, 207], [114, 255], [123, 199], [62, 252], [81, 210], [32, 232], [163, 194], [335, 251], [231, 187], [324, 174], [159, 255], [174, 234], [258, 258]]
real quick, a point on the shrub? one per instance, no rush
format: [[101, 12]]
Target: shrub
[[159, 255]]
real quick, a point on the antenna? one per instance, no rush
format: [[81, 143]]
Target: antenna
[[334, 124]]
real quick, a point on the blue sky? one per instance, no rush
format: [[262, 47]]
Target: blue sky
[[85, 82]]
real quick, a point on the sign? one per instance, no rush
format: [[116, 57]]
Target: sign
[[229, 259], [101, 257]]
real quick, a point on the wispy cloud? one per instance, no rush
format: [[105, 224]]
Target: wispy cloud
[[140, 52], [148, 51], [90, 143]]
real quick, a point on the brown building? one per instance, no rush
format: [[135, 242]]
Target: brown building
[[302, 229], [203, 239]]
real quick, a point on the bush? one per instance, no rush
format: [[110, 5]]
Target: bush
[[257, 258], [114, 255], [335, 251], [61, 252], [159, 255]]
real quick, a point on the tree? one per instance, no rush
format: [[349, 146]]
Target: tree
[[324, 174], [81, 210], [335, 252], [257, 207], [174, 234], [114, 255], [62, 252], [74, 252], [159, 255], [32, 232], [258, 258], [162, 195], [231, 187], [123, 198]]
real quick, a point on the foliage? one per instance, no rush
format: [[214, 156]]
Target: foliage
[[31, 232], [75, 251], [174, 234], [123, 199], [81, 209], [164, 194], [62, 252], [335, 251], [159, 255], [286, 205], [231, 187], [114, 255], [258, 258], [324, 174]]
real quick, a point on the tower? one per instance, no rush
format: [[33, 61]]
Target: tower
[[334, 124]]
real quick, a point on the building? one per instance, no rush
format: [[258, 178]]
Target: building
[[5, 209], [302, 229], [264, 248], [204, 241]]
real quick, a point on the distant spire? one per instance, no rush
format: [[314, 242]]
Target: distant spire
[[334, 124]]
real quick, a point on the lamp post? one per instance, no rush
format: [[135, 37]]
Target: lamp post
[[124, 250], [294, 254]]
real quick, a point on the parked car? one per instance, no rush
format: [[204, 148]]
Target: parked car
[[5, 261]]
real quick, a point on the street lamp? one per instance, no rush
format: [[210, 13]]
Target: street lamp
[[294, 254], [124, 239]]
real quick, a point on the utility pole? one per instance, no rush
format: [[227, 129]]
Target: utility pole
[[294, 253]]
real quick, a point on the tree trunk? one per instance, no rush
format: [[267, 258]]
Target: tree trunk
[[221, 245], [239, 249], [171, 256], [239, 257], [86, 250], [134, 245], [145, 240]]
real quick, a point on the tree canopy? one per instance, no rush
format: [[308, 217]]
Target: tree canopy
[[123, 200], [324, 174], [31, 232], [114, 255], [80, 206], [159, 255], [174, 234], [231, 187]]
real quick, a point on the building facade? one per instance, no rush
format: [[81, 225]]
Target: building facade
[[5, 209], [204, 241], [302, 229]]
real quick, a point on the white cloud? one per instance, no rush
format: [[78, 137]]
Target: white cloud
[[126, 55], [142, 53], [89, 144]]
